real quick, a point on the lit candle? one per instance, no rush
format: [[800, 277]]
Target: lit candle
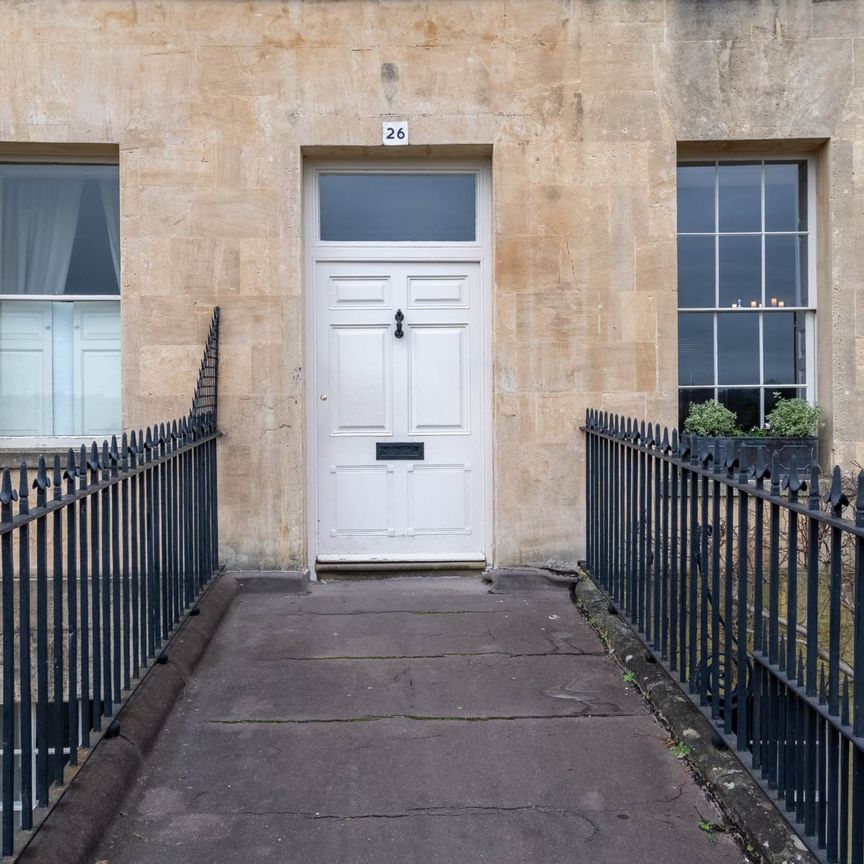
[[773, 301], [753, 303], [734, 305], [781, 303]]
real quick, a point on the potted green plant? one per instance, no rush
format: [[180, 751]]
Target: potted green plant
[[790, 430]]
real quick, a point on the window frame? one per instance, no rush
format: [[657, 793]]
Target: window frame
[[398, 167], [23, 443], [809, 311]]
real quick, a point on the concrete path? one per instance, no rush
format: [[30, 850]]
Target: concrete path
[[419, 721]]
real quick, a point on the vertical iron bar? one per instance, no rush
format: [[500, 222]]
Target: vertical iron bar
[[72, 605], [24, 662], [7, 496], [58, 713]]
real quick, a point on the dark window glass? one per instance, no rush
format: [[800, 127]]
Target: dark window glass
[[784, 348], [695, 271], [695, 348], [696, 184], [740, 197], [60, 229], [786, 196], [686, 398], [740, 271], [772, 393], [737, 348], [785, 270], [744, 401], [398, 207]]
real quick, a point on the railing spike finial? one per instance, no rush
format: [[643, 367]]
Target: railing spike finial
[[114, 451], [813, 495], [649, 435], [105, 461], [684, 446], [133, 449], [835, 496], [664, 443], [7, 493], [823, 687], [23, 483], [71, 470], [774, 473], [761, 469], [93, 461], [58, 475], [41, 479], [124, 452], [793, 481], [82, 465], [676, 447]]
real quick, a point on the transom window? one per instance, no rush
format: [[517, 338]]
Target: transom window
[[393, 207], [746, 305], [59, 300]]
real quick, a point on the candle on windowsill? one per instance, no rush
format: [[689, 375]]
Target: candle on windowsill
[[781, 303], [773, 301], [753, 304]]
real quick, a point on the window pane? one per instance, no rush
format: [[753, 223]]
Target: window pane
[[695, 348], [695, 271], [60, 367], [785, 347], [785, 393], [785, 270], [740, 271], [686, 398], [397, 207], [786, 196], [745, 403], [737, 348], [696, 197], [60, 229], [740, 197]]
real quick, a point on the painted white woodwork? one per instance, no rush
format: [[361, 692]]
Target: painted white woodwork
[[368, 387], [25, 368]]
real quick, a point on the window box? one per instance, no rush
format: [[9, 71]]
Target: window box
[[746, 450]]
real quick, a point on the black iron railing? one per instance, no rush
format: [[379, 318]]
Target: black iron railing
[[746, 588], [96, 574]]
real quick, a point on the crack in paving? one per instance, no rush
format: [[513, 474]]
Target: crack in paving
[[436, 811], [506, 654], [397, 612], [374, 718]]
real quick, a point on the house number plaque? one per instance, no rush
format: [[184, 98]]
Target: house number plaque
[[394, 132]]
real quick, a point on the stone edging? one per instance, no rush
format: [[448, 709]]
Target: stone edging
[[763, 830], [74, 826]]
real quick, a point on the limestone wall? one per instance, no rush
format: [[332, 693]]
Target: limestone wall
[[583, 105]]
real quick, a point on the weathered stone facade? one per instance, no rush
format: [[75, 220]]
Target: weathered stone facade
[[582, 105]]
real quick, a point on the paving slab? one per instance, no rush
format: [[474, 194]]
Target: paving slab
[[495, 729]]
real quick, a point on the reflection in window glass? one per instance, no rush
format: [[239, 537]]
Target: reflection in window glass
[[740, 196], [696, 188], [786, 196], [740, 271], [60, 229], [398, 207], [744, 401], [784, 348], [737, 348], [696, 271], [785, 270], [695, 348]]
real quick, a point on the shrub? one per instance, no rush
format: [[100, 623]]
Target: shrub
[[794, 418], [711, 419]]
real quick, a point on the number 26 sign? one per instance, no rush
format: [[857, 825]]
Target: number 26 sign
[[394, 133]]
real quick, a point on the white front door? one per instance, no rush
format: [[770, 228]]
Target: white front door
[[398, 403]]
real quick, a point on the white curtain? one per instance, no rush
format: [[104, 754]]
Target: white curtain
[[39, 218], [111, 204]]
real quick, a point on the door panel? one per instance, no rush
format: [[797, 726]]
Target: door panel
[[360, 380], [425, 387], [438, 379]]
